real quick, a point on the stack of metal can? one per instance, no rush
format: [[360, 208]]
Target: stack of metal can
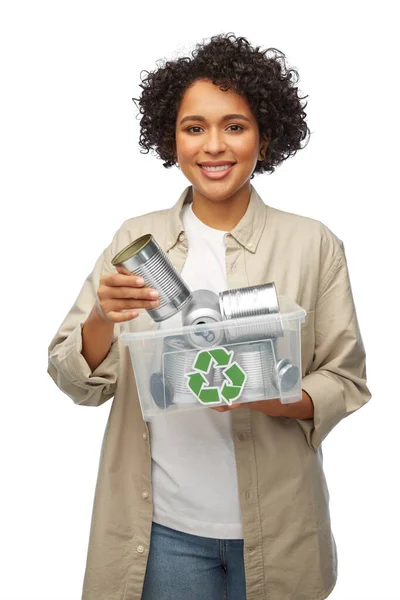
[[254, 342]]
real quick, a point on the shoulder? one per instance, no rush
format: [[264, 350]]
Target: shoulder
[[305, 229], [145, 221], [310, 241]]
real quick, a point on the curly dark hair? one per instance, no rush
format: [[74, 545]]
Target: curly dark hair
[[233, 64]]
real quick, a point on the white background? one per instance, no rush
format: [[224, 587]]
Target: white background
[[72, 172]]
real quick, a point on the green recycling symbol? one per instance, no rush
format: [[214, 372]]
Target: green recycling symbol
[[231, 388]]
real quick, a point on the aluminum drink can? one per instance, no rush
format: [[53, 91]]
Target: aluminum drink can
[[203, 308]]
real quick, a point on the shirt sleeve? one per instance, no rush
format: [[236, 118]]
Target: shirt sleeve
[[66, 364], [337, 382]]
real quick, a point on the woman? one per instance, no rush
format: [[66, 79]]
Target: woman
[[232, 503]]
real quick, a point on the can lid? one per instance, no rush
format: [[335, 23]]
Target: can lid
[[158, 384], [288, 374], [132, 249]]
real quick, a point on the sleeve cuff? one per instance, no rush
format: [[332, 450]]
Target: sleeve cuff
[[327, 396], [76, 365], [72, 374]]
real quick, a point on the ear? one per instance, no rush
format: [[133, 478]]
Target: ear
[[263, 148]]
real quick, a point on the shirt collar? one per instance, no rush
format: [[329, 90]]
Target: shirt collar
[[247, 232]]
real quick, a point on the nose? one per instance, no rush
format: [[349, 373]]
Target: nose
[[214, 142]]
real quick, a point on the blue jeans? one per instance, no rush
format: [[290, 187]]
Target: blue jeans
[[182, 566]]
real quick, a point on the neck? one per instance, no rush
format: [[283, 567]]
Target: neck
[[222, 213]]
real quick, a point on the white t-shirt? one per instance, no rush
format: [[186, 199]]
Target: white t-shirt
[[194, 476]]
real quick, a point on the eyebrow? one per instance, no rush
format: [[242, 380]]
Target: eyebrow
[[225, 118]]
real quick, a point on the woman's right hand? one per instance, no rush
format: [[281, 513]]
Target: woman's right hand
[[123, 291]]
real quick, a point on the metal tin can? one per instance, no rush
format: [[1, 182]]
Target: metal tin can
[[203, 308], [258, 362], [252, 301], [161, 390], [145, 258], [288, 374], [178, 360], [249, 301]]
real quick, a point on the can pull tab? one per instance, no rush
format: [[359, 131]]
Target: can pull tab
[[208, 336]]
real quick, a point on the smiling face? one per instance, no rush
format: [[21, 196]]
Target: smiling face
[[216, 127]]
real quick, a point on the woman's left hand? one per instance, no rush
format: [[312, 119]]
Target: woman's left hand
[[273, 407], [303, 409]]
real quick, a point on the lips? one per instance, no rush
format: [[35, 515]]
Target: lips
[[218, 163], [216, 174]]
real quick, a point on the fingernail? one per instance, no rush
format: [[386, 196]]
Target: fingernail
[[154, 294], [140, 281]]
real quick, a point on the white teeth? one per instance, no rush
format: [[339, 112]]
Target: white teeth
[[220, 168]]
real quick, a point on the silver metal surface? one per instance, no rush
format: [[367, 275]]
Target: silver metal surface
[[145, 258], [266, 376], [247, 302], [203, 308], [258, 362], [252, 332], [161, 390], [288, 374], [178, 360]]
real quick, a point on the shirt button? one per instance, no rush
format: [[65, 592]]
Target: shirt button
[[140, 549], [242, 437], [251, 244], [181, 237], [247, 494], [145, 494], [145, 436]]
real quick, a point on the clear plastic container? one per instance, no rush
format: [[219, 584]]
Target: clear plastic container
[[254, 358]]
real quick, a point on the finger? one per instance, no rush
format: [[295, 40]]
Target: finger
[[224, 408], [128, 304], [121, 317], [123, 270], [123, 292], [123, 277]]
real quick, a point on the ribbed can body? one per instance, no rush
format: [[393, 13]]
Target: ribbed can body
[[247, 302], [146, 259], [258, 362], [176, 365]]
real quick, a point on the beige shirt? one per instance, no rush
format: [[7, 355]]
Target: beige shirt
[[289, 550]]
